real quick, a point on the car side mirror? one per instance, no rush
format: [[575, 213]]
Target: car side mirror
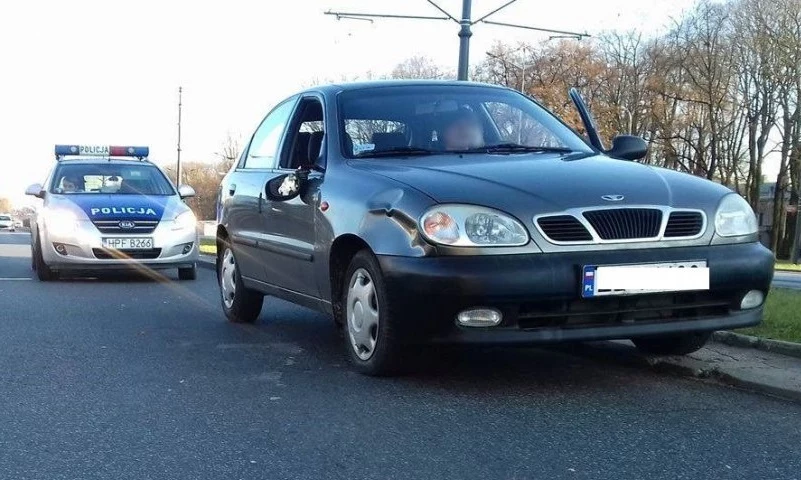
[[628, 147], [287, 186], [35, 190], [185, 191]]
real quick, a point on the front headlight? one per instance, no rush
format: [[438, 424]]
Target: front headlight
[[735, 217], [472, 226], [61, 223], [185, 221]]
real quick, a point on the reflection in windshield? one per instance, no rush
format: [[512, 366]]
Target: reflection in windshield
[[111, 179], [447, 118]]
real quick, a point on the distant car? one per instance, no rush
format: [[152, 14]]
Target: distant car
[[7, 223], [454, 212], [109, 208], [18, 223]]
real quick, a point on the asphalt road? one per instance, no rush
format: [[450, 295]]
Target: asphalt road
[[131, 378]]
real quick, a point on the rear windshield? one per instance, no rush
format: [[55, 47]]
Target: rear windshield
[[110, 179], [4, 217]]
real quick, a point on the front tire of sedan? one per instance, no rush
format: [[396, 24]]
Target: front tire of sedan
[[187, 273], [43, 272], [240, 304], [681, 344], [371, 333]]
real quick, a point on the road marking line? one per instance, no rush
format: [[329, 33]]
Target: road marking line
[[14, 279]]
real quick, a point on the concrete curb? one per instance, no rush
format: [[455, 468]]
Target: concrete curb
[[701, 365], [765, 344]]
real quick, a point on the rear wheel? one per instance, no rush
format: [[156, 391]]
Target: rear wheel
[[371, 333], [240, 304], [680, 344], [43, 272], [187, 273]]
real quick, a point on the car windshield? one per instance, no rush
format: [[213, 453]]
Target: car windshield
[[118, 179], [432, 119], [5, 218]]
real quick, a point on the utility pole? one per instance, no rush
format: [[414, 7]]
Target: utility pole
[[465, 23], [178, 172]]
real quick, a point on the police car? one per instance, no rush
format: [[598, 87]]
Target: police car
[[109, 208]]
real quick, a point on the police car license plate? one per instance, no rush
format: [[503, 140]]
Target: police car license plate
[[128, 243], [644, 278]]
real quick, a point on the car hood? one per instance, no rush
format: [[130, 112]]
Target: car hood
[[118, 207], [546, 182]]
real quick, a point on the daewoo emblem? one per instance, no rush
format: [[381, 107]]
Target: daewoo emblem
[[127, 224], [612, 198]]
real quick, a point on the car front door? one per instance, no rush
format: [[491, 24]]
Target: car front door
[[290, 224], [243, 191]]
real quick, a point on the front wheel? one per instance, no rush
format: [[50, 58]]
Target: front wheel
[[681, 344], [43, 272], [187, 273], [372, 333], [240, 304]]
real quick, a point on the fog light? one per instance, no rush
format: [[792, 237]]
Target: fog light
[[479, 317], [60, 248], [752, 299], [187, 248]]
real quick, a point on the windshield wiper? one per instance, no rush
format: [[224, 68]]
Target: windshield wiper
[[514, 148], [396, 152]]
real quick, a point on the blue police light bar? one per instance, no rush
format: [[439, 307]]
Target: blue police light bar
[[102, 151]]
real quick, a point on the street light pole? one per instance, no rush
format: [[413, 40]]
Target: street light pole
[[464, 31], [178, 172], [464, 39]]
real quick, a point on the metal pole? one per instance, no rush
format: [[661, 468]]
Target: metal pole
[[178, 173], [464, 39]]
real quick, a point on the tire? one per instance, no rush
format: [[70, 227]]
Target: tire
[[240, 304], [187, 273], [371, 332], [43, 272], [681, 344]]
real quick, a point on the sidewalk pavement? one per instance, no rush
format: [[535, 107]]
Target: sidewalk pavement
[[766, 372], [749, 368]]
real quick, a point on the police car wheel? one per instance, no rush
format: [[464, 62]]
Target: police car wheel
[[372, 335], [240, 304], [43, 272], [187, 273]]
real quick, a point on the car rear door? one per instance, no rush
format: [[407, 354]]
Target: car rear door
[[243, 192]]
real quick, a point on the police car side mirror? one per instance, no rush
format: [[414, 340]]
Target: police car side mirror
[[628, 147], [286, 187], [185, 191], [35, 190]]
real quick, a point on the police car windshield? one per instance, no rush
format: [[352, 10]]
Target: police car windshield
[[110, 178]]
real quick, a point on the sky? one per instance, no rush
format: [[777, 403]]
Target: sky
[[107, 72]]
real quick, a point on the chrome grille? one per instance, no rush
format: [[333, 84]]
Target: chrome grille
[[625, 223], [684, 224], [113, 226], [564, 228]]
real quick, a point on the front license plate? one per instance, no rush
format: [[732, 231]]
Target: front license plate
[[601, 280], [128, 243]]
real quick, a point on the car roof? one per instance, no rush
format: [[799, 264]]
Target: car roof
[[350, 86]]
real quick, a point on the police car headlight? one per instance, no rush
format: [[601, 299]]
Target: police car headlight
[[61, 223], [735, 217], [185, 221], [472, 226]]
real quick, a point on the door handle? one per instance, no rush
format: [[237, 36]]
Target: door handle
[[232, 189], [260, 197]]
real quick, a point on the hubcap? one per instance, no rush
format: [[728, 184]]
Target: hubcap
[[228, 278], [362, 314]]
